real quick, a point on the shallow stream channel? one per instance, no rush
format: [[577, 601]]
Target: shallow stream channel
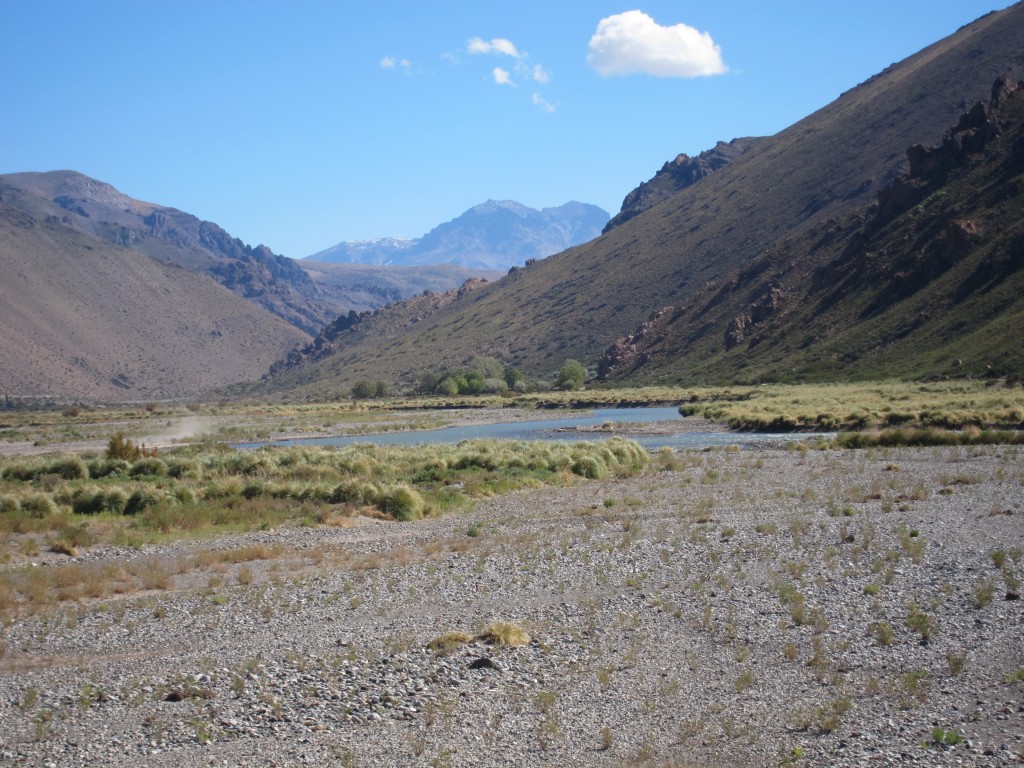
[[597, 424]]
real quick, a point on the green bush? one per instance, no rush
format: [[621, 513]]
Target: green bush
[[23, 472], [571, 375], [38, 505], [184, 495], [99, 468], [355, 492], [69, 468], [588, 466], [448, 387], [87, 501], [142, 499], [401, 502], [181, 468], [114, 501], [149, 466]]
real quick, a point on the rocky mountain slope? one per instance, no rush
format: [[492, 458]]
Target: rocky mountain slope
[[256, 274], [495, 235], [678, 174], [85, 319], [928, 281], [774, 197], [387, 322]]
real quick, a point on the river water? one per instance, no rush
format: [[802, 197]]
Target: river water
[[553, 429]]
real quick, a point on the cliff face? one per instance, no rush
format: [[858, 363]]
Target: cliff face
[[257, 274], [676, 175]]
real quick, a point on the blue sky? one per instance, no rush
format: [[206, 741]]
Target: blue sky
[[302, 124]]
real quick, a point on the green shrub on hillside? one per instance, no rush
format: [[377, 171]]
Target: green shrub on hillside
[[571, 375]]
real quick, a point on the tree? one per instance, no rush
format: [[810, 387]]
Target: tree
[[363, 390], [489, 367], [571, 375], [448, 387], [513, 376], [428, 383]]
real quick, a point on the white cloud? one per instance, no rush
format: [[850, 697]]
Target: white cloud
[[390, 62], [502, 76], [499, 45], [539, 101], [632, 43], [519, 72]]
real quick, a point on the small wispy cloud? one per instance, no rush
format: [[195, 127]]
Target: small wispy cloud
[[502, 76], [633, 43], [520, 72], [539, 101], [394, 63], [498, 45]]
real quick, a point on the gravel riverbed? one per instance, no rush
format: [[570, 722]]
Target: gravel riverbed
[[769, 607]]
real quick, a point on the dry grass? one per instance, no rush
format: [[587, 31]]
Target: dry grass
[[872, 405], [449, 642], [504, 633]]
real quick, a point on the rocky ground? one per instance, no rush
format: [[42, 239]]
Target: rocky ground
[[730, 608]]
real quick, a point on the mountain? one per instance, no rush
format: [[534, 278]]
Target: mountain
[[95, 208], [927, 282], [365, 287], [383, 251], [678, 174], [495, 235], [386, 322], [775, 196], [85, 319]]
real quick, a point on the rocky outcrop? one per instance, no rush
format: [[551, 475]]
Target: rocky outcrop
[[739, 327], [679, 174], [630, 352], [930, 166]]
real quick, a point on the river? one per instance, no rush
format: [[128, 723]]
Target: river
[[554, 429]]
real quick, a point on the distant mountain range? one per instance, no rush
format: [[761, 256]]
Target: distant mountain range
[[793, 257], [495, 235], [103, 296], [173, 237]]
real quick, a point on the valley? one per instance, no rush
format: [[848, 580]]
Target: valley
[[733, 476]]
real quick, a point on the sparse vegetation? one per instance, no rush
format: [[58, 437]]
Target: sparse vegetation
[[934, 413]]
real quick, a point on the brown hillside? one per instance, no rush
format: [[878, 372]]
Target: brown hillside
[[83, 319], [830, 164], [929, 282], [257, 274]]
